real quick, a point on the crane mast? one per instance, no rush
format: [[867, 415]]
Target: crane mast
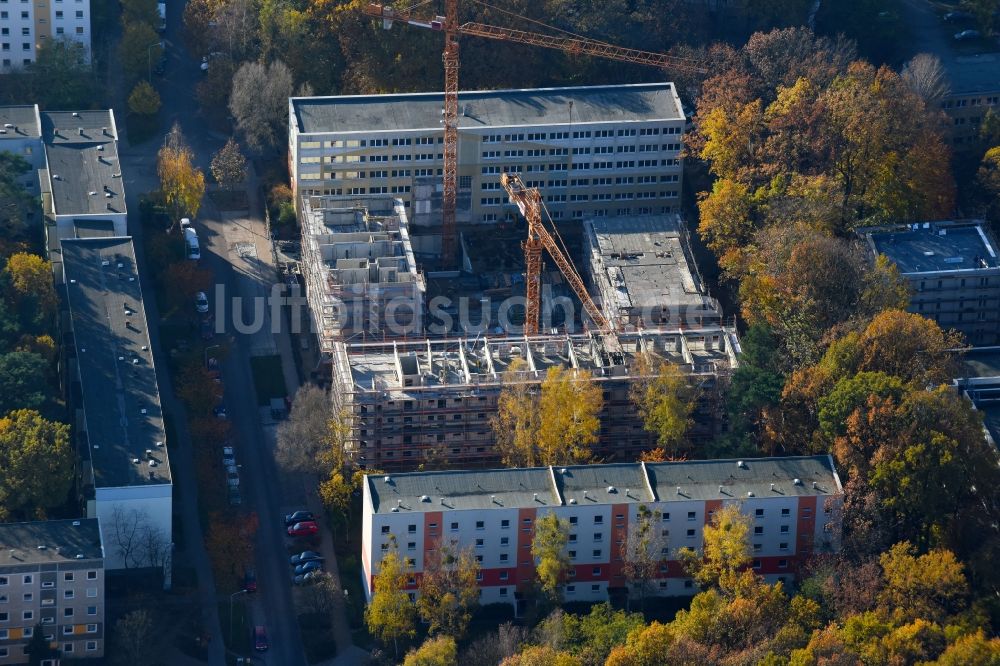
[[529, 202]]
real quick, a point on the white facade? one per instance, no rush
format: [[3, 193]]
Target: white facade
[[794, 505], [119, 509], [25, 27]]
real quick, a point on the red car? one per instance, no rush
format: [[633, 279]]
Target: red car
[[305, 528], [260, 638]]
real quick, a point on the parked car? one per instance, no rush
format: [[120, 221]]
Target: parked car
[[201, 302], [204, 63], [185, 222], [954, 17], [235, 499], [966, 35], [305, 556], [307, 577], [249, 579], [220, 410], [298, 517], [233, 478], [228, 456], [260, 638], [307, 567], [306, 528]]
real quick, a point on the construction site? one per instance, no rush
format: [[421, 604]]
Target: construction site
[[441, 234]]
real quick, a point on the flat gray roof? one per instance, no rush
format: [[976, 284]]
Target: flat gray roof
[[603, 484], [25, 121], [488, 108], [50, 541], [644, 261], [79, 126], [121, 398], [83, 168], [727, 479], [982, 363], [973, 73], [937, 247]]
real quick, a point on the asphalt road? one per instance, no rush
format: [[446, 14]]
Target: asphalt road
[[272, 604]]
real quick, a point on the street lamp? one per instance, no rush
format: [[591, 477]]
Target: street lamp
[[149, 65], [231, 597]]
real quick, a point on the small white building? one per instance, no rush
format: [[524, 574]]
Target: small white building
[[794, 503]]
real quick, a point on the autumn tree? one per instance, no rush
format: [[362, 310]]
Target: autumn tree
[[136, 638], [568, 408], [449, 591], [642, 551], [139, 11], [140, 45], [186, 279], [548, 547], [515, 424], [646, 646], [259, 103], [15, 202], [229, 166], [754, 389], [230, 544], [321, 595], [31, 278], [439, 651], [931, 586], [313, 436], [144, 100], [665, 400], [197, 388], [390, 615], [541, 655], [726, 550], [182, 183], [36, 464]]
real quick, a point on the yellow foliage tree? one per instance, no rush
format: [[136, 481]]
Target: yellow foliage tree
[[31, 277], [549, 547], [182, 183], [144, 100], [568, 410], [665, 400]]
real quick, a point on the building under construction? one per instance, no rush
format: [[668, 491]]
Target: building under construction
[[644, 275], [431, 401], [360, 275]]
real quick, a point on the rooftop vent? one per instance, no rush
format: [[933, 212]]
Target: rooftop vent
[[159, 443], [562, 470], [135, 461], [76, 115], [152, 475], [534, 496], [797, 482], [572, 500], [152, 463], [79, 130], [43, 547], [678, 490], [76, 523], [815, 485], [772, 486], [142, 411], [387, 478], [92, 193], [149, 452], [425, 498], [612, 489], [749, 493], [741, 465], [79, 556], [72, 280], [8, 125], [720, 490], [55, 176], [399, 502], [395, 509]]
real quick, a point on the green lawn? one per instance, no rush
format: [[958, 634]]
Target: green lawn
[[268, 379]]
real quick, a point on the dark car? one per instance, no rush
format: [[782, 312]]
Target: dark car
[[260, 638], [305, 556], [307, 567], [298, 517], [966, 35], [250, 580], [958, 16], [305, 578], [306, 528]]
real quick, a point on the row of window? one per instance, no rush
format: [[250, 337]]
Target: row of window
[[975, 101], [30, 615], [67, 648], [67, 594], [29, 579]]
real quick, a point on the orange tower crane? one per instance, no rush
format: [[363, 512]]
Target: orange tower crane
[[529, 202], [568, 43]]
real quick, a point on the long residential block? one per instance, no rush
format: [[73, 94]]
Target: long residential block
[[52, 577], [29, 26], [794, 504], [125, 477], [431, 401], [593, 151], [953, 270]]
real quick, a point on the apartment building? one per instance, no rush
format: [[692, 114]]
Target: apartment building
[[26, 26], [794, 504], [593, 151], [125, 477], [76, 170], [360, 273], [974, 82], [954, 272], [431, 401], [979, 381], [644, 273], [52, 577]]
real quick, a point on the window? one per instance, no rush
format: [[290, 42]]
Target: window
[[784, 529], [411, 545], [758, 512], [3, 634], [572, 538], [688, 584], [783, 546], [68, 594], [504, 575], [503, 557], [598, 537], [572, 554], [785, 512], [759, 529], [666, 516], [28, 631], [454, 527], [91, 610], [757, 547], [504, 541], [385, 529], [48, 584], [504, 524], [596, 571], [67, 612], [756, 564], [480, 525], [782, 564], [596, 553], [411, 529], [91, 628], [68, 576], [67, 647], [572, 520], [27, 579], [479, 543], [91, 645], [28, 596], [91, 592], [598, 520], [691, 515], [3, 581], [571, 589], [503, 591], [807, 512], [690, 534], [28, 615]]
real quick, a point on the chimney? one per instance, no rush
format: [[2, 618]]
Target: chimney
[[80, 130]]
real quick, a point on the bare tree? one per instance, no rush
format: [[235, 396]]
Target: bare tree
[[136, 540], [320, 595], [259, 103], [305, 435], [136, 639], [926, 76], [493, 648], [153, 547], [643, 551], [229, 166]]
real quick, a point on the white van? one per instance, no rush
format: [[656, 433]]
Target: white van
[[191, 241]]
